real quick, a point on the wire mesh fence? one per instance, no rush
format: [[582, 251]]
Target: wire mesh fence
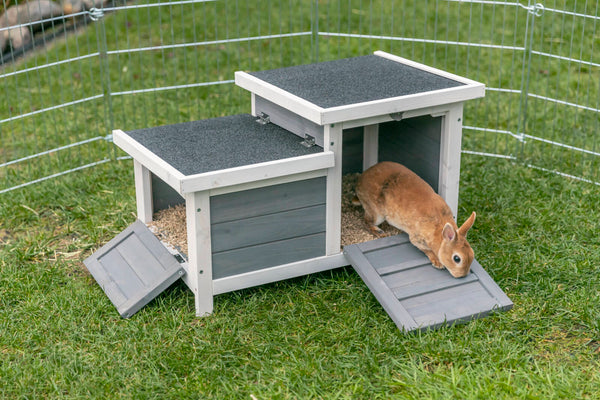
[[132, 65]]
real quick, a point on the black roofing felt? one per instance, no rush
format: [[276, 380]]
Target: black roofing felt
[[353, 80], [219, 143]]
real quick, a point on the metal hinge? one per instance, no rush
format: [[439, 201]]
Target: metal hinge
[[262, 118], [309, 141], [397, 116]]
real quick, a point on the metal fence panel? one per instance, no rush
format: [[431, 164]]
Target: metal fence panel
[[134, 65]]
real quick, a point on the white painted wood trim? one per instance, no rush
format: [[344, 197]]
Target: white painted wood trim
[[199, 271], [333, 215], [279, 96], [370, 145], [450, 152], [269, 182], [148, 159], [256, 172], [278, 273], [427, 68], [401, 104], [143, 192]]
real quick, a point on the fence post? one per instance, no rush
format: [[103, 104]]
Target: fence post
[[97, 15], [533, 11]]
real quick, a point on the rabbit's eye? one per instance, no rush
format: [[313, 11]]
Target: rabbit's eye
[[456, 259]]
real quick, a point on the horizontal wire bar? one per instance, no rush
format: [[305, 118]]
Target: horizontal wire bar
[[102, 9], [572, 13], [208, 43], [189, 85], [59, 106], [558, 144], [566, 103], [491, 89], [44, 21], [475, 128], [111, 52], [43, 153], [53, 64], [170, 3], [589, 63], [114, 94], [55, 175], [358, 36], [578, 178], [96, 163], [478, 153]]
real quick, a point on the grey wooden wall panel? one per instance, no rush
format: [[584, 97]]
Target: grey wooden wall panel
[[414, 293], [163, 195], [267, 255], [288, 120], [266, 200], [268, 228], [352, 150], [415, 143]]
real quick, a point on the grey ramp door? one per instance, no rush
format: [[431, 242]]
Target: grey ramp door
[[133, 268], [414, 293]]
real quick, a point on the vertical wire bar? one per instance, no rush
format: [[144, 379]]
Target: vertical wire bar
[[557, 86], [120, 117], [173, 55], [142, 75], [105, 72], [392, 13], [525, 72], [435, 28], [152, 66], [315, 30], [578, 74], [91, 77], [594, 171], [566, 127]]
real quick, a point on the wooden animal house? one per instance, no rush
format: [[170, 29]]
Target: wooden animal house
[[262, 192]]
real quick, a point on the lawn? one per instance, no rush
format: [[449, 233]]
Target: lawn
[[319, 336]]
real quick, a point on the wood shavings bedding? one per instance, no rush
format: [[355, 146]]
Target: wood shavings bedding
[[170, 226]]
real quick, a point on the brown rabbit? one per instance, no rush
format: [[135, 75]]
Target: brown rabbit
[[391, 192]]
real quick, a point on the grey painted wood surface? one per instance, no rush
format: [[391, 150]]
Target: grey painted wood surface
[[289, 120], [414, 293], [415, 143], [267, 200], [133, 268], [352, 150], [163, 195], [268, 226], [253, 258]]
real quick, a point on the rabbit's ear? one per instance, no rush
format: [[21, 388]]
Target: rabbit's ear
[[448, 232], [467, 225]]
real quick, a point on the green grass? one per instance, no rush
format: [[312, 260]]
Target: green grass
[[320, 336], [324, 335]]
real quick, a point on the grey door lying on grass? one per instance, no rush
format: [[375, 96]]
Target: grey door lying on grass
[[414, 293], [133, 268]]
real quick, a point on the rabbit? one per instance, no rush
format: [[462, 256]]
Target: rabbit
[[390, 192]]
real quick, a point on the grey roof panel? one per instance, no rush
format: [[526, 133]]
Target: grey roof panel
[[133, 268], [416, 295]]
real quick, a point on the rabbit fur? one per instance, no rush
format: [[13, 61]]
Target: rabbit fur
[[391, 192]]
